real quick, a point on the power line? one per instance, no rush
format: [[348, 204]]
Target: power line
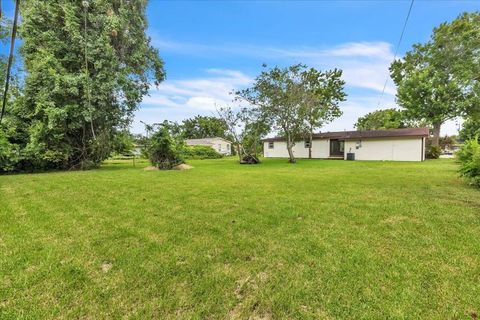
[[396, 50]]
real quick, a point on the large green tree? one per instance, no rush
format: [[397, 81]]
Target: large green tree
[[278, 93], [296, 100], [204, 127], [88, 64], [458, 43], [385, 119], [439, 80], [424, 89]]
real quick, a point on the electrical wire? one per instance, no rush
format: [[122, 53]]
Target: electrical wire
[[396, 50]]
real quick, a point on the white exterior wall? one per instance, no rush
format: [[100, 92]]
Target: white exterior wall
[[221, 146], [320, 149], [387, 149]]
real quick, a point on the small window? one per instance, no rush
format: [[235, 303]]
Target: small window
[[307, 144], [228, 146], [270, 145], [219, 147]]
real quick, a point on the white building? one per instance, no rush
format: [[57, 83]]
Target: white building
[[220, 145], [391, 145]]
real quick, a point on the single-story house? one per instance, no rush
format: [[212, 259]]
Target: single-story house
[[220, 145], [392, 145]]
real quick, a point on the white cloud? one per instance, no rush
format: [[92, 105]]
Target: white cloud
[[364, 64], [179, 99]]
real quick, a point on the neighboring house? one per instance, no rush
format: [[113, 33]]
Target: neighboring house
[[137, 149], [392, 145], [220, 145]]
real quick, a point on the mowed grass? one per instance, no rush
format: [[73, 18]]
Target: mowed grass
[[314, 240]]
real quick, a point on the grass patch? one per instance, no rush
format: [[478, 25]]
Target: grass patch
[[314, 240]]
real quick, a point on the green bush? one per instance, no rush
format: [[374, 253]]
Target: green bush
[[432, 152], [163, 150], [9, 154], [200, 152], [469, 157]]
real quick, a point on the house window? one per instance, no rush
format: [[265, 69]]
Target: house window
[[307, 144], [270, 145], [228, 147], [219, 147]]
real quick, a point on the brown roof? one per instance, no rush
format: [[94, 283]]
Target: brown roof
[[349, 135]]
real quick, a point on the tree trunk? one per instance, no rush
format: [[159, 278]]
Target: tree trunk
[[239, 153], [310, 145], [436, 134], [291, 157], [10, 58]]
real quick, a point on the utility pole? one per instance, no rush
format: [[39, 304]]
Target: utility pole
[[10, 57]]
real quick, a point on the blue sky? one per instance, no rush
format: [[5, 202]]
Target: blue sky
[[213, 47]]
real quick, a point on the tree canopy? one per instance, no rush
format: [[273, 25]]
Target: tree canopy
[[384, 119], [204, 127], [88, 64], [438, 80], [296, 100]]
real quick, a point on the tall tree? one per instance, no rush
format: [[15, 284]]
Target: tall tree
[[384, 119], [204, 127], [296, 100], [322, 92], [424, 88], [439, 80], [245, 127], [277, 92], [458, 43], [88, 64]]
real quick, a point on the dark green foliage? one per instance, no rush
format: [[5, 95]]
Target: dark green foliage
[[122, 143], [432, 151], [204, 127], [200, 152], [164, 151], [82, 85], [469, 157], [438, 80], [383, 119], [9, 154], [470, 129]]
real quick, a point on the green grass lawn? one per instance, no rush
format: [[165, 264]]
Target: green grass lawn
[[315, 240]]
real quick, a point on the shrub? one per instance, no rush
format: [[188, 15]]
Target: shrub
[[163, 150], [9, 154], [201, 152], [469, 157], [432, 152]]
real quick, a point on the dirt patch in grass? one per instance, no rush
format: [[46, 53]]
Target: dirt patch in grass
[[151, 168], [106, 266], [183, 166]]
